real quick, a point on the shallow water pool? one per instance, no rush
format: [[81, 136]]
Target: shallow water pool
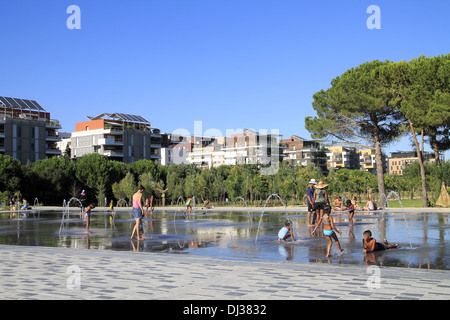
[[423, 237]]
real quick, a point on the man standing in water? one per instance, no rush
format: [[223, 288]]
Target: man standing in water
[[137, 211], [309, 202]]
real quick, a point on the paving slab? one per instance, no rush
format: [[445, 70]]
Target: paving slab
[[46, 273]]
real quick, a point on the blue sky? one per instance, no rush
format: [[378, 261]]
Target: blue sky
[[228, 63]]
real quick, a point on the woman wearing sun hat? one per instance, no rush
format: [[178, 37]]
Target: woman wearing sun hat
[[320, 199]]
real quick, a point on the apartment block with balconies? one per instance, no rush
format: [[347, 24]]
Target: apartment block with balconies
[[27, 132], [122, 137]]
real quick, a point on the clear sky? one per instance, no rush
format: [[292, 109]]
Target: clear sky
[[228, 63]]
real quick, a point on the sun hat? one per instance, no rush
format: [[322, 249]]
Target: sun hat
[[320, 185], [313, 181]]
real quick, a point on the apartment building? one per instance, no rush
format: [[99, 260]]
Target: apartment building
[[367, 161], [301, 151], [248, 147], [401, 159], [340, 157], [119, 136], [27, 132], [251, 147], [207, 152]]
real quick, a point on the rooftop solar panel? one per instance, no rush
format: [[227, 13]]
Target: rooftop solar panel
[[29, 104], [36, 105], [22, 104], [131, 117], [121, 116], [5, 102], [13, 103]]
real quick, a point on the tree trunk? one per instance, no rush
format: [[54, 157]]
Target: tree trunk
[[434, 145], [379, 164], [422, 167]]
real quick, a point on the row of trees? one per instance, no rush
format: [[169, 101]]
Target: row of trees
[[378, 102], [55, 179]]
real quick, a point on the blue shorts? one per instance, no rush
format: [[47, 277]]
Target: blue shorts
[[137, 213]]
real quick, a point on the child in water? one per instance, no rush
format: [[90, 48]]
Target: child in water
[[87, 215], [351, 210], [370, 244], [286, 232], [188, 207], [329, 230]]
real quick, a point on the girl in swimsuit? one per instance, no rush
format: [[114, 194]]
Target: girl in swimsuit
[[329, 229]]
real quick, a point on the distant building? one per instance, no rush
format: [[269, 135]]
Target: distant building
[[122, 137], [301, 151], [367, 160], [64, 144], [207, 152], [251, 147], [248, 147], [401, 159], [27, 132], [340, 157]]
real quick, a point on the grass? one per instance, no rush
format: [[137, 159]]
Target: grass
[[407, 203]]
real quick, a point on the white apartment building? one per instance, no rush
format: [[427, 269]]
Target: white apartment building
[[121, 137]]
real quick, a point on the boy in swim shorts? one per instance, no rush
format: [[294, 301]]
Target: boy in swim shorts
[[87, 216], [370, 244]]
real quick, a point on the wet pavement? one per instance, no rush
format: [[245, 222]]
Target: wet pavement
[[62, 273], [214, 256]]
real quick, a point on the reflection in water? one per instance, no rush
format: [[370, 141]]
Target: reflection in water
[[221, 234]]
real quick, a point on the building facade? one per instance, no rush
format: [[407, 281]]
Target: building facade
[[27, 132], [300, 151], [401, 159], [118, 136], [251, 147], [340, 157]]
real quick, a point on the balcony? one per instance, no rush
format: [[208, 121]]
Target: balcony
[[110, 141], [52, 137], [54, 124], [53, 150], [113, 153]]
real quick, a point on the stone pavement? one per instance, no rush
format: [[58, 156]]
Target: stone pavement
[[61, 273]]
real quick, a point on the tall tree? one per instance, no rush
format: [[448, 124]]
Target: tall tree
[[356, 110], [421, 92]]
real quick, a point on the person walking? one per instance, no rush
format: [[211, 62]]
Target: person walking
[[137, 212]]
